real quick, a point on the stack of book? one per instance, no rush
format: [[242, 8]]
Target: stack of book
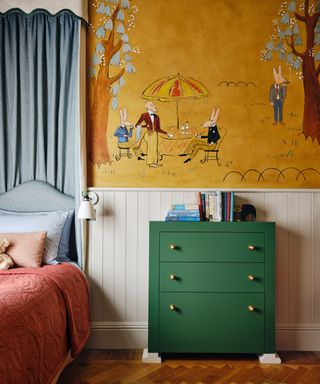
[[183, 212], [216, 206]]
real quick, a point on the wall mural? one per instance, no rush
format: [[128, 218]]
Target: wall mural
[[205, 94]]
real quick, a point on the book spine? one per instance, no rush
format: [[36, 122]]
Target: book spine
[[190, 212], [225, 206], [200, 205], [219, 206], [228, 206], [182, 218], [178, 207], [231, 205], [215, 207], [203, 199], [207, 208], [211, 206]]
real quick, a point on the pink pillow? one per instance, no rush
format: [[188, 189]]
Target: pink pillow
[[26, 249]]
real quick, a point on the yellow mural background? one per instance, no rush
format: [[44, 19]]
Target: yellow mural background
[[214, 41]]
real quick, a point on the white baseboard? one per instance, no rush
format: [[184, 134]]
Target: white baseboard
[[118, 335], [299, 337], [134, 335]]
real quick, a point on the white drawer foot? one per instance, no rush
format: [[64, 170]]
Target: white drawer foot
[[150, 357], [269, 358]]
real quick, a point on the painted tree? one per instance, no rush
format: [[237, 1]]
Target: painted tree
[[296, 40], [110, 61]]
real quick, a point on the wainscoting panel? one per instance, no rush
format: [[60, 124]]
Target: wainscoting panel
[[118, 262]]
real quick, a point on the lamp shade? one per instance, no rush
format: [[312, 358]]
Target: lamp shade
[[86, 210]]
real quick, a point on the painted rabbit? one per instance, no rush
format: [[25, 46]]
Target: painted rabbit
[[122, 132], [212, 137], [277, 95], [213, 133], [213, 118]]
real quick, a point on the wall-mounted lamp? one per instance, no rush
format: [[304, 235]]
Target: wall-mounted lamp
[[86, 209]]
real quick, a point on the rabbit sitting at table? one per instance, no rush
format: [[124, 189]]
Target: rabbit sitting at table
[[212, 137]]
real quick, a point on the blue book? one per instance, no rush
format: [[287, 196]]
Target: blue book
[[183, 212], [231, 205], [182, 218], [184, 206]]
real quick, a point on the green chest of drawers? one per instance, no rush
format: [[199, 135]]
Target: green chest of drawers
[[211, 287]]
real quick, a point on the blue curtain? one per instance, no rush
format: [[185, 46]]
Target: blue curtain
[[39, 109]]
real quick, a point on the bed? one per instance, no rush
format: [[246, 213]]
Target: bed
[[44, 308]]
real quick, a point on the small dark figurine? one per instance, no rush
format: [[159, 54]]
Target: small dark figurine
[[248, 213]]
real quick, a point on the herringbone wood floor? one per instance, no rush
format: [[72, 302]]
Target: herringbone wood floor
[[124, 366]]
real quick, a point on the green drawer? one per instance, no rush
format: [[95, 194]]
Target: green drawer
[[211, 277], [211, 323], [212, 246]]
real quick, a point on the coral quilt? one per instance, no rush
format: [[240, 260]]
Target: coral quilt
[[44, 313]]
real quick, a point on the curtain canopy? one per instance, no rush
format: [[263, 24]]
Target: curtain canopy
[[78, 7], [39, 111], [42, 103]]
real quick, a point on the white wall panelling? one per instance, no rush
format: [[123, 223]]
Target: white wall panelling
[[118, 262]]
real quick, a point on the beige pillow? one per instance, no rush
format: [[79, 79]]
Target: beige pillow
[[26, 249]]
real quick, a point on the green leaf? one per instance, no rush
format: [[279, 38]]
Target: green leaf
[[115, 59], [282, 56], [296, 29], [290, 58], [288, 31], [292, 6], [298, 40], [269, 45], [95, 59], [122, 81], [115, 89], [297, 64], [101, 8], [114, 103], [100, 32], [285, 19], [100, 48]]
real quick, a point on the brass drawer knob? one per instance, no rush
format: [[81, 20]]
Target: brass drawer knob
[[251, 308], [251, 277], [173, 277], [172, 307], [251, 247], [173, 246]]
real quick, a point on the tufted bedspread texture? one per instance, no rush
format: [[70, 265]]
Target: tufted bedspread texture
[[44, 313]]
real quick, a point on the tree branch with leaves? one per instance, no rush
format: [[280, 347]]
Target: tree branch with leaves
[[301, 52], [110, 60]]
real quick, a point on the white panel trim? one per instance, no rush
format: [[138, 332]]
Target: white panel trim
[[118, 335], [119, 325], [301, 338], [298, 327], [244, 190]]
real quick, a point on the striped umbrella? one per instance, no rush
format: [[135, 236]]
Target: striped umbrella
[[175, 87]]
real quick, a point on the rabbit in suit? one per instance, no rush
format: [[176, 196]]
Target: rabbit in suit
[[277, 95], [212, 137]]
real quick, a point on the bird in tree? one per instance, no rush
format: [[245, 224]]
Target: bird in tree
[[108, 39], [296, 40]]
